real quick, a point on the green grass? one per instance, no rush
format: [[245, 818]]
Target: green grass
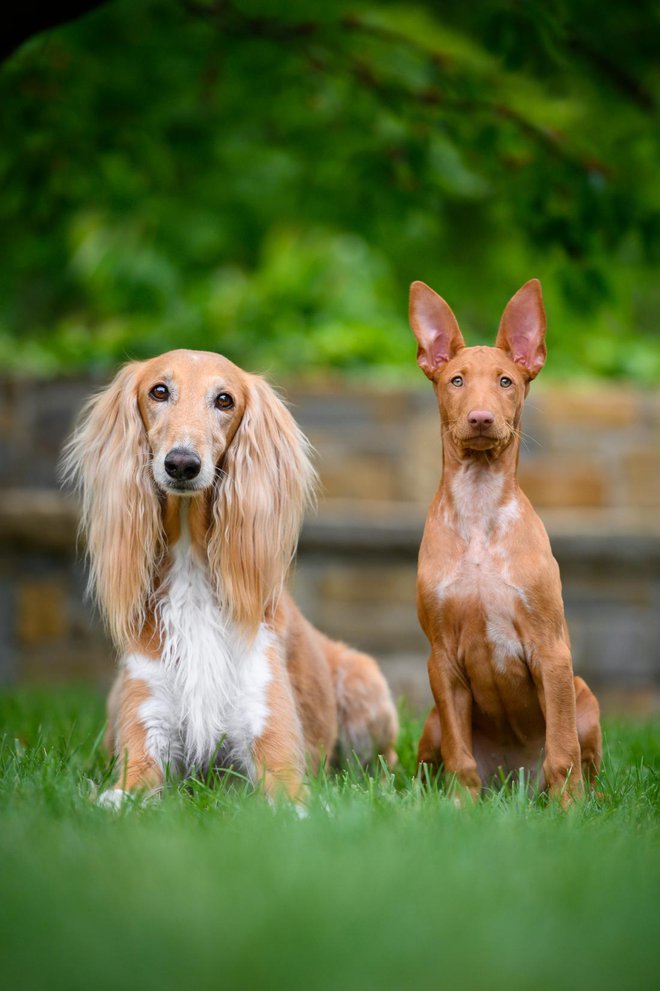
[[382, 886]]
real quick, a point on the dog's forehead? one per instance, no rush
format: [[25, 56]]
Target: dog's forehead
[[482, 359], [193, 369]]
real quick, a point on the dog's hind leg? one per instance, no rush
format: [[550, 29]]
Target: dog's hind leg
[[278, 753], [428, 750], [112, 710], [367, 718], [587, 713]]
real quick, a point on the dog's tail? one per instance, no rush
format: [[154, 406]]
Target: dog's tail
[[368, 724]]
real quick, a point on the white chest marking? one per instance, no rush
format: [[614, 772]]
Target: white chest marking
[[209, 689], [482, 571]]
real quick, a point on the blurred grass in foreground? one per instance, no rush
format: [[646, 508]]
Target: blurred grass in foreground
[[382, 886]]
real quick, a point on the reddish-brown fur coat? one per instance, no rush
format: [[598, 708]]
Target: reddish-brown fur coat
[[489, 590]]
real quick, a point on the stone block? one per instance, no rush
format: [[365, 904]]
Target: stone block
[[614, 645], [41, 611], [407, 676], [384, 584], [590, 408], [40, 518], [422, 463], [66, 662], [555, 482], [356, 476], [642, 477], [371, 627], [391, 407]]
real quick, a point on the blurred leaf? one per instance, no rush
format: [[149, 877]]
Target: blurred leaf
[[267, 181]]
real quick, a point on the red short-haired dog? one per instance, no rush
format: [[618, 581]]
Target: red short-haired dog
[[194, 480], [488, 590]]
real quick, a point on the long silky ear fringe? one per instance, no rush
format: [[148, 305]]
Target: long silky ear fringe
[[266, 483], [107, 459]]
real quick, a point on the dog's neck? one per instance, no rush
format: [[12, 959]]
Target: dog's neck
[[193, 512], [478, 489]]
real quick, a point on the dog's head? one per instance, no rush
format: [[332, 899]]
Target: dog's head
[[191, 404], [480, 390], [189, 425]]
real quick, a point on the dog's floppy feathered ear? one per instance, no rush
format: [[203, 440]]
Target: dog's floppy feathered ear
[[107, 458], [266, 483]]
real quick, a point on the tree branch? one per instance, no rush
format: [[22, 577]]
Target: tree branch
[[22, 21]]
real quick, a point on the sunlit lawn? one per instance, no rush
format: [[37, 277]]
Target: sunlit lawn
[[382, 886]]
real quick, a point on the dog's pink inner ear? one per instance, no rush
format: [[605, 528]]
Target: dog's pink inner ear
[[435, 327], [522, 328]]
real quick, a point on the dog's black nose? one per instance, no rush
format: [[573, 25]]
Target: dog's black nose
[[182, 464]]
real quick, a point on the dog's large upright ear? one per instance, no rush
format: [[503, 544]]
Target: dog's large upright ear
[[107, 458], [522, 329], [266, 483], [434, 325]]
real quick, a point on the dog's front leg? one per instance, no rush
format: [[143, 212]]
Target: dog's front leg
[[552, 670], [278, 752], [453, 699], [138, 769]]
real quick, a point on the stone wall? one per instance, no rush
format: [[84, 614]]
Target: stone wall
[[584, 447], [589, 448], [591, 465]]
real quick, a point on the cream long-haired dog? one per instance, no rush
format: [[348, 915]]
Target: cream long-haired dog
[[194, 480]]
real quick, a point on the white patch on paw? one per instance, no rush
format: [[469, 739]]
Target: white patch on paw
[[113, 798]]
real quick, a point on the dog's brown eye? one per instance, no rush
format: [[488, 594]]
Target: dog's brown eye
[[457, 381], [505, 382], [160, 393], [224, 401]]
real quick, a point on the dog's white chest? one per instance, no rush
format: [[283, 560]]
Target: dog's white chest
[[480, 575], [209, 690]]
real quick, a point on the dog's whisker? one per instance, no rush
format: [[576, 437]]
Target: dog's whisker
[[523, 436]]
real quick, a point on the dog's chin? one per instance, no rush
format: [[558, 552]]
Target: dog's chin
[[184, 490], [482, 442]]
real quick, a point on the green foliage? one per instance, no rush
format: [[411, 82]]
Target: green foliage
[[383, 886], [265, 180]]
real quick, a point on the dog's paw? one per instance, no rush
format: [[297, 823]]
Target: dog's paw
[[113, 798], [297, 805]]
